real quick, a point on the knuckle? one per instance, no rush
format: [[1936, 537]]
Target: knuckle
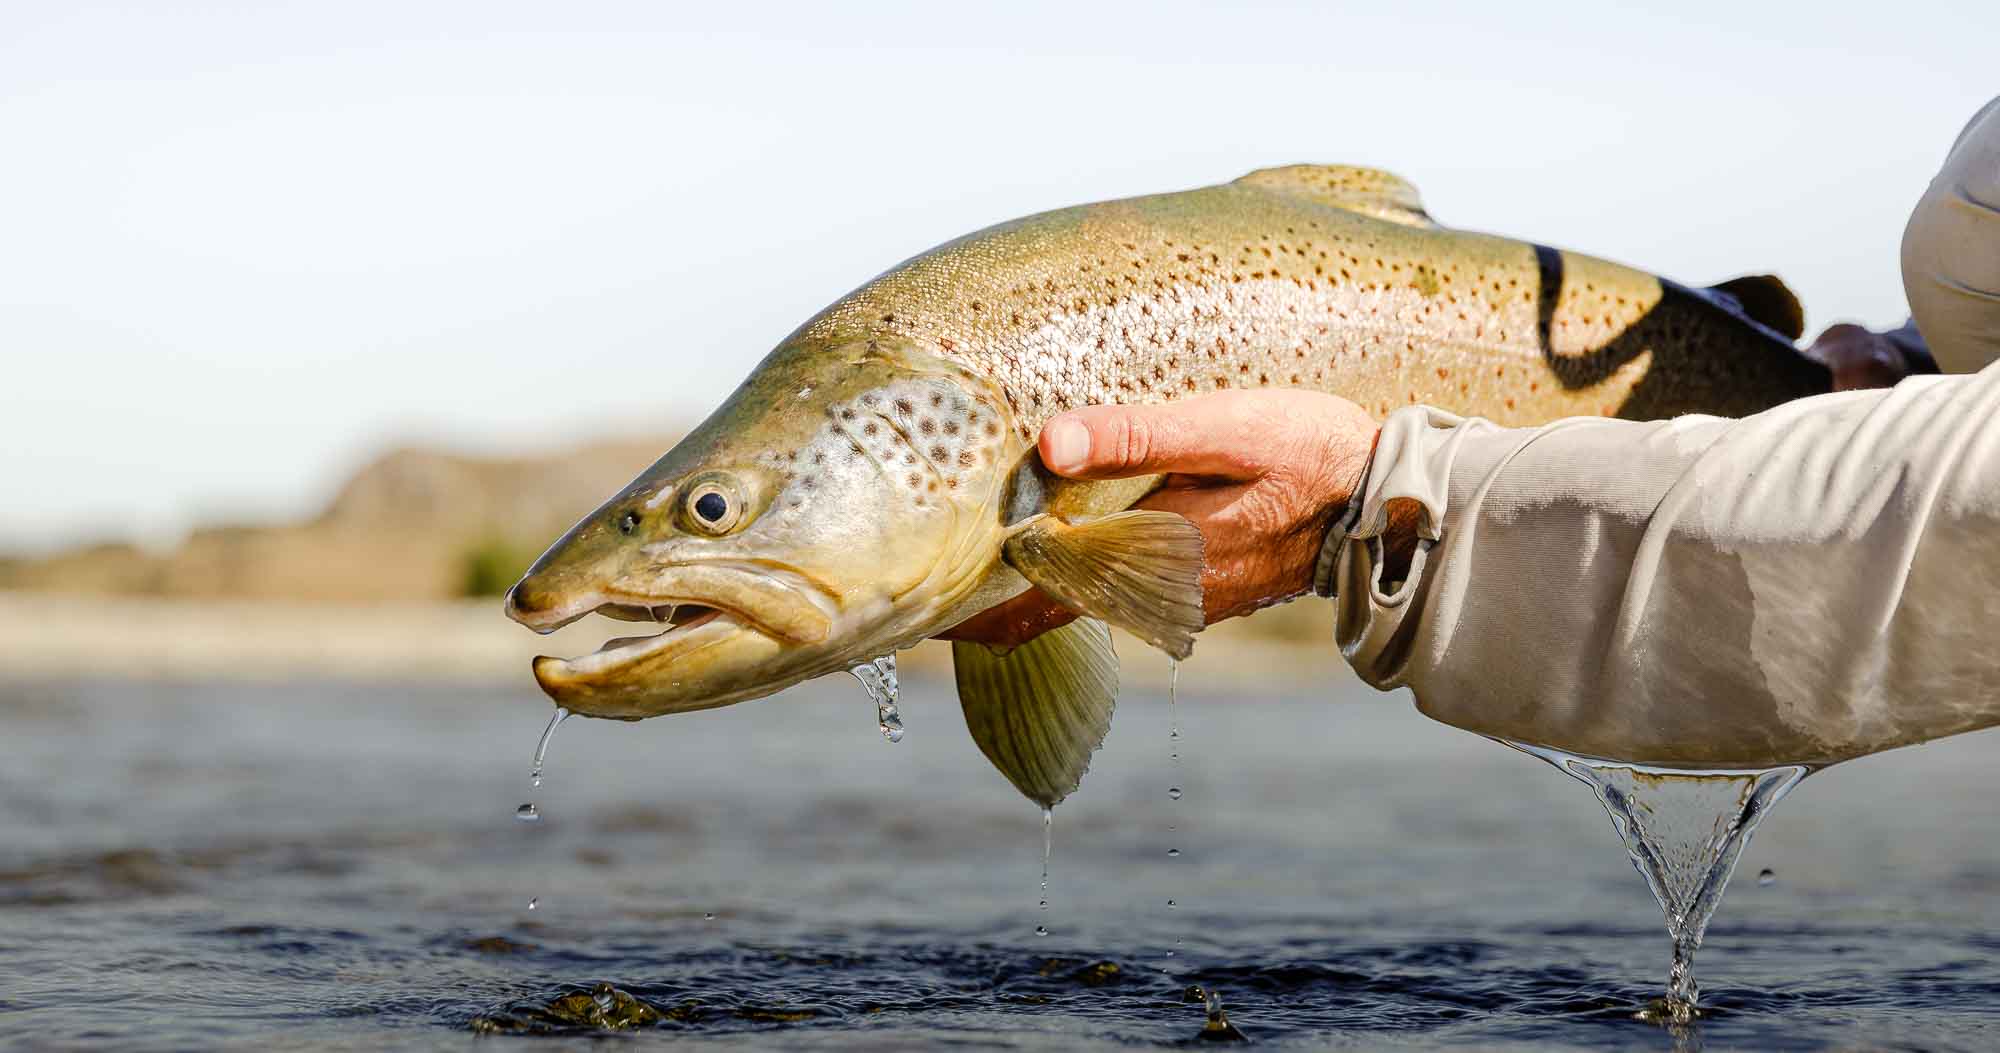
[[1133, 442]]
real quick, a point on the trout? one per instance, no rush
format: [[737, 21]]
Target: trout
[[874, 481]]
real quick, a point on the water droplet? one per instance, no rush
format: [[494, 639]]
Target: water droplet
[[1048, 843], [1767, 877], [542, 746], [709, 915], [527, 813], [878, 678], [533, 903], [1174, 757]]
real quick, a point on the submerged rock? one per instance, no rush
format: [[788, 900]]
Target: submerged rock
[[598, 1008]]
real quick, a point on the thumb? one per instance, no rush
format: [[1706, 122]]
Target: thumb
[[1205, 436]]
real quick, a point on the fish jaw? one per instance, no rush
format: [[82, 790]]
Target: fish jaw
[[714, 660], [736, 627]]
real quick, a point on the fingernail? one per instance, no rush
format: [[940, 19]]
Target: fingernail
[[1067, 443]]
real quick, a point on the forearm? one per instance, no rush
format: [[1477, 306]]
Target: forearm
[[1813, 583]]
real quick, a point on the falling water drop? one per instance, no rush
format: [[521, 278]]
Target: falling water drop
[[1767, 877], [878, 677], [1048, 844], [542, 747], [528, 813], [1171, 904], [1174, 760], [708, 915]]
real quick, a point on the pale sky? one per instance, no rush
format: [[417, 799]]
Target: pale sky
[[245, 247]]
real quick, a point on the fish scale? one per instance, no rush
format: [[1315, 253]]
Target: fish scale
[[1244, 285]]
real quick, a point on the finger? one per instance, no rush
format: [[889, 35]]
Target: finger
[[1212, 436]]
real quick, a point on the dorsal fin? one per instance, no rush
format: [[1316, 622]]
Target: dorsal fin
[[1369, 191], [1766, 301]]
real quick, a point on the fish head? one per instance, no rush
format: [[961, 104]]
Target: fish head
[[844, 502]]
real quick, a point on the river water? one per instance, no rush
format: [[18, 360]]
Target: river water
[[338, 865]]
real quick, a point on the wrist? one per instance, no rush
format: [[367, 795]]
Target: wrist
[[1348, 498]]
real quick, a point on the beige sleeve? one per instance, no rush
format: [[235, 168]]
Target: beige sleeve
[[1816, 582], [1951, 251]]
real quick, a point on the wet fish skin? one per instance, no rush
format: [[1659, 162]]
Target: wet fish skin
[[1268, 282], [874, 477]]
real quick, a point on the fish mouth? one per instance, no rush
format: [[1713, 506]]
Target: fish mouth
[[725, 632], [681, 621]]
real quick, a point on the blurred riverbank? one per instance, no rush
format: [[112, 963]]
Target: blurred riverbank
[[400, 576]]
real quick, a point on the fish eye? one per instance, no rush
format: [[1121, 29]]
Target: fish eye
[[713, 508], [628, 523]]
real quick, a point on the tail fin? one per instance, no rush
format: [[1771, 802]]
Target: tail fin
[[1765, 300]]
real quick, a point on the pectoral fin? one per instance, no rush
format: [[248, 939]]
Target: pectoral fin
[[1039, 711], [1138, 570]]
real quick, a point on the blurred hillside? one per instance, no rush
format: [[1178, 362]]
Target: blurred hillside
[[396, 581], [413, 525]]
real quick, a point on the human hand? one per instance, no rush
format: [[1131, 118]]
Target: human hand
[[1262, 473], [1859, 358]]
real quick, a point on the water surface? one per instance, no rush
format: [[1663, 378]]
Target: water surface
[[206, 865]]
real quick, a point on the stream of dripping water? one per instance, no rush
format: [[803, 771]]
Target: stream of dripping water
[[528, 813], [1048, 842], [1173, 789], [879, 679], [1684, 831], [542, 747]]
